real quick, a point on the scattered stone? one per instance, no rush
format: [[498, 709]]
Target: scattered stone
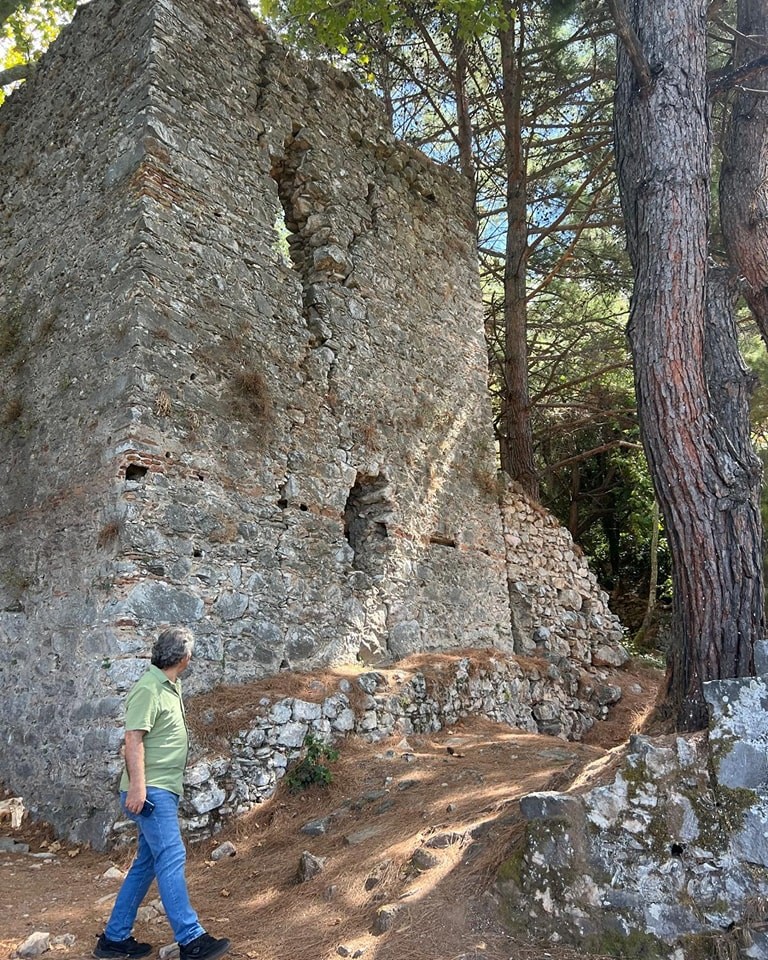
[[309, 866], [385, 918], [377, 874], [113, 874], [168, 950], [9, 845], [424, 860], [63, 941], [226, 849], [361, 836], [150, 912], [442, 840], [35, 944], [13, 809], [316, 828], [369, 797]]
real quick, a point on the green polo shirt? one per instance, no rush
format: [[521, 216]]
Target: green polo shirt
[[154, 704]]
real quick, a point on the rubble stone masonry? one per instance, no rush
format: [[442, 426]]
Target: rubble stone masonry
[[243, 389]]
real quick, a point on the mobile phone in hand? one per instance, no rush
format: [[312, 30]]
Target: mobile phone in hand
[[147, 809]]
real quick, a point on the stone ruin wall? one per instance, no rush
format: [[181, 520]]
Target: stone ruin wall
[[561, 611], [243, 388]]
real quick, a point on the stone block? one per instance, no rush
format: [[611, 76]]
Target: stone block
[[547, 805]]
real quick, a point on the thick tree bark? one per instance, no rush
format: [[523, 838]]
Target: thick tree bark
[[517, 436], [744, 176], [703, 470], [653, 579]]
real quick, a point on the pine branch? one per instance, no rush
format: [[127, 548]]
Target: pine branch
[[626, 33], [722, 81], [20, 72]]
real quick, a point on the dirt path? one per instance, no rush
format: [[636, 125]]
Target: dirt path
[[451, 796]]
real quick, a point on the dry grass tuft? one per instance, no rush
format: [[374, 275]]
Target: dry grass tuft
[[12, 411], [108, 534], [252, 396]]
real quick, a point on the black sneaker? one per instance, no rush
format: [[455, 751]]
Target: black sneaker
[[121, 948], [204, 947]]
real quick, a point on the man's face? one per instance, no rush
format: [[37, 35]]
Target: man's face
[[185, 663]]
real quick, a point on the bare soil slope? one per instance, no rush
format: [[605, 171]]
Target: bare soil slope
[[450, 798]]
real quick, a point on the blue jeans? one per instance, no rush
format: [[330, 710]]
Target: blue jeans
[[160, 854]]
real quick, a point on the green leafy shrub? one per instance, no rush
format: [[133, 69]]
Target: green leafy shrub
[[312, 768]]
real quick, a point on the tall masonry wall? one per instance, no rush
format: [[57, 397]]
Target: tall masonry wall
[[243, 385], [245, 382]]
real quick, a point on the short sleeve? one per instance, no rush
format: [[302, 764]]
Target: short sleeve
[[140, 709]]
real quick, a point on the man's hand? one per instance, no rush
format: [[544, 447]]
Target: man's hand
[[134, 762], [135, 798]]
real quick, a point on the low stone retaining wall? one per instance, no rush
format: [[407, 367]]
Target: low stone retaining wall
[[555, 698]]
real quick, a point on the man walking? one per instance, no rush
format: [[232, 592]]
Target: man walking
[[155, 755]]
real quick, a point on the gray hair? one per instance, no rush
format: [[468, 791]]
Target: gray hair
[[171, 646]]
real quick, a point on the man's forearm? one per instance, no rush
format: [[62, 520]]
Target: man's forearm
[[134, 764]]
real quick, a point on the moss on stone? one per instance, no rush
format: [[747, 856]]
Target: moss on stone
[[511, 871], [636, 945], [722, 815]]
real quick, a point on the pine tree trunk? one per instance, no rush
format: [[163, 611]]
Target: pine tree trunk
[[744, 176], [653, 579], [703, 472], [517, 435]]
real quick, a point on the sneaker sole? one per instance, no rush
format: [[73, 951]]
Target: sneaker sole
[[219, 952]]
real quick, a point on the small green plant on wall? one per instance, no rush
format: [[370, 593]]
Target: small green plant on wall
[[312, 768]]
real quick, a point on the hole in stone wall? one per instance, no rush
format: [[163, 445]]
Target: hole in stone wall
[[443, 540], [676, 849], [280, 243], [135, 471], [367, 511], [287, 242], [197, 553]]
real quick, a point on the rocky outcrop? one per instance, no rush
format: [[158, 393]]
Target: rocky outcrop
[[670, 859]]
